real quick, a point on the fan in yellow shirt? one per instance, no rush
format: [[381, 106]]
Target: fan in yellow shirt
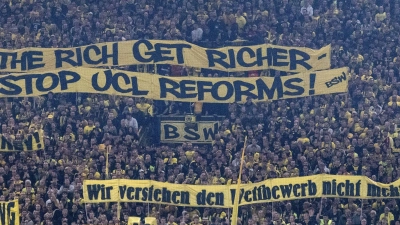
[[303, 139], [240, 19], [171, 220], [357, 57], [190, 151], [170, 159], [217, 179], [85, 108], [196, 220], [89, 128], [387, 215], [381, 15], [143, 106]]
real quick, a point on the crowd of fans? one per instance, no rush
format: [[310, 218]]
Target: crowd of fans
[[353, 133]]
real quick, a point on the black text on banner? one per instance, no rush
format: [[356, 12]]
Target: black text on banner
[[185, 89], [258, 57]]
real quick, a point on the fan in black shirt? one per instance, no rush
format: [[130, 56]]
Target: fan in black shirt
[[308, 220], [139, 212]]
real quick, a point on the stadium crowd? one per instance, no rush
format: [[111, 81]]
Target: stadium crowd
[[353, 133]]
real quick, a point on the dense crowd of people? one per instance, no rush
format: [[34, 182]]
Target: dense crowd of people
[[347, 134]]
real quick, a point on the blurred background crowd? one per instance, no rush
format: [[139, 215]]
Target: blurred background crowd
[[351, 134]]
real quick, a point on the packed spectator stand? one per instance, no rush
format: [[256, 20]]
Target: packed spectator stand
[[345, 134]]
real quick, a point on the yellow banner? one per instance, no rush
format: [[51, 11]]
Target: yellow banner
[[272, 190], [31, 142], [9, 213], [258, 57], [185, 89], [178, 131]]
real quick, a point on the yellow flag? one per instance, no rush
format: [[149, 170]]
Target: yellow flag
[[236, 202], [150, 110]]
